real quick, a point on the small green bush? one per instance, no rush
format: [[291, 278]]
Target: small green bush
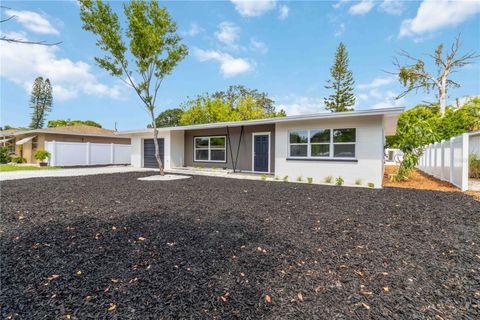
[[328, 179], [18, 159], [358, 182], [473, 166], [299, 178], [285, 179], [371, 185], [339, 181], [263, 177], [41, 154], [310, 180], [277, 178], [4, 155]]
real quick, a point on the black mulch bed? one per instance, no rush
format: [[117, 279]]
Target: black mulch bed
[[110, 246]]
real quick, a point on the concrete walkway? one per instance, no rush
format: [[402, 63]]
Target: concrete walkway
[[71, 172]]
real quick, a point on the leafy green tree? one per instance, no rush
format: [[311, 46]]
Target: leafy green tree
[[238, 92], [416, 128], [41, 100], [154, 48], [207, 109], [169, 118], [414, 76], [68, 122], [342, 83]]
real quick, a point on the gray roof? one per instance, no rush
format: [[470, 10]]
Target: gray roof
[[386, 112]]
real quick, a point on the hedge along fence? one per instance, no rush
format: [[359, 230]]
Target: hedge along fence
[[87, 153], [448, 160]]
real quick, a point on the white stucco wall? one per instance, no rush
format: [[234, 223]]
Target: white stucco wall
[[369, 152], [177, 157]]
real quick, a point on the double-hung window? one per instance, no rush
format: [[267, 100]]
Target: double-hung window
[[210, 149], [322, 143]]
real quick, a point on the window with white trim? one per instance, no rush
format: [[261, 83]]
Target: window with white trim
[[322, 143], [209, 149]]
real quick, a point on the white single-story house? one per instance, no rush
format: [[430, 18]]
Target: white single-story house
[[349, 145]]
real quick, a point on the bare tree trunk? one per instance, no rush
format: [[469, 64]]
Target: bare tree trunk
[[442, 93], [155, 142]]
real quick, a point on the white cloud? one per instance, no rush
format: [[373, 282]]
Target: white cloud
[[194, 30], [295, 105], [283, 12], [21, 64], [376, 83], [229, 65], [228, 34], [340, 3], [341, 29], [434, 15], [253, 8], [258, 46], [33, 21], [393, 7], [362, 7], [388, 100]]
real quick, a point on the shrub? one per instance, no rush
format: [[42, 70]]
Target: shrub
[[277, 178], [328, 179], [263, 177], [4, 155], [299, 179], [285, 179], [41, 154], [18, 159], [473, 166], [358, 182], [310, 180], [371, 185], [339, 181]]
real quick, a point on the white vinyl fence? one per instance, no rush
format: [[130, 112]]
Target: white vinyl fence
[[448, 160], [86, 153]]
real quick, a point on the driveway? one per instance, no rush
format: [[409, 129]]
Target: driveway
[[69, 172], [111, 246]]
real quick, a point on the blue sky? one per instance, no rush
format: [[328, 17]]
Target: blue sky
[[282, 48]]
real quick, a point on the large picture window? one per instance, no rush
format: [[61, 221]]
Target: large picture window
[[322, 143], [209, 149]]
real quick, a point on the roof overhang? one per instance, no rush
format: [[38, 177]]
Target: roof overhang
[[24, 140], [5, 140], [390, 116]]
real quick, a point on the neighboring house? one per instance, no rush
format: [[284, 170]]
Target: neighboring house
[[25, 142], [346, 144]]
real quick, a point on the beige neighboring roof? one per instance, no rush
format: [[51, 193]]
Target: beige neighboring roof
[[8, 132], [78, 130]]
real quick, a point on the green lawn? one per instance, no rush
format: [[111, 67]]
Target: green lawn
[[11, 167]]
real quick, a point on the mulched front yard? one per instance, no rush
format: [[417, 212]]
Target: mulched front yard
[[110, 246]]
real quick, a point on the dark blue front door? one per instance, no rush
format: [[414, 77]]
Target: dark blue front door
[[260, 153]]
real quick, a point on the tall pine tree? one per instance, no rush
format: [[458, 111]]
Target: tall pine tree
[[342, 83], [41, 101]]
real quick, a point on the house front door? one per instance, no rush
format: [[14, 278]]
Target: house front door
[[261, 149]]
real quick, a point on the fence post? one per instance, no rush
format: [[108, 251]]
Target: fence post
[[53, 156], [452, 160], [112, 153], [442, 158], [465, 140], [88, 153]]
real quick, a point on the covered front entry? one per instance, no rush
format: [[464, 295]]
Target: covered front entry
[[261, 152], [149, 160]]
